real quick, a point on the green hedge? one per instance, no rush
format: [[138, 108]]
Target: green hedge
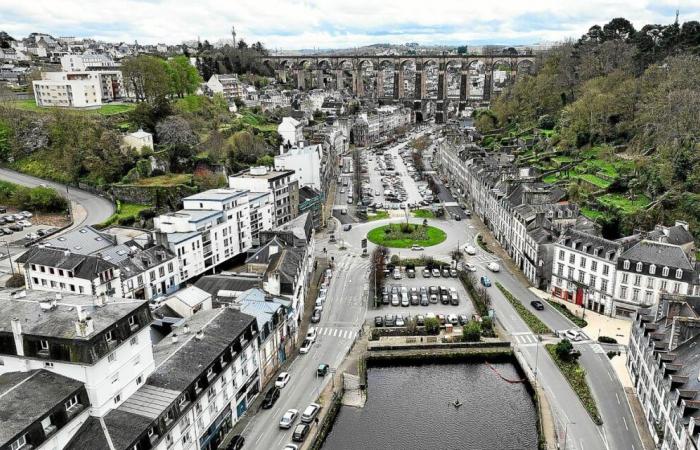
[[581, 323], [532, 321], [576, 376], [38, 198]]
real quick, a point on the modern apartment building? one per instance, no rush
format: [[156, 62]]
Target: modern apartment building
[[78, 89], [282, 185]]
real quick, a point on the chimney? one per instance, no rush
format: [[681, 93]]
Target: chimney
[[683, 224], [17, 334], [200, 335], [66, 252], [173, 338], [84, 327]]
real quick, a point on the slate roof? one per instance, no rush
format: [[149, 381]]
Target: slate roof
[[60, 321], [254, 302], [26, 397], [215, 283], [84, 266], [179, 364], [144, 260], [123, 428], [658, 253], [591, 242]]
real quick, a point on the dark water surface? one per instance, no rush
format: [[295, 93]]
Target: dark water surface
[[408, 407]]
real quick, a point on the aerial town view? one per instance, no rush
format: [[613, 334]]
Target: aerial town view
[[326, 225]]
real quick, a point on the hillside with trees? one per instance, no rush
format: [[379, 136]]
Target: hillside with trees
[[615, 118]]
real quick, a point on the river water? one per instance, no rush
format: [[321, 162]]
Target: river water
[[408, 407]]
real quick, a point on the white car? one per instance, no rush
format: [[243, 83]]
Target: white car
[[572, 335], [494, 267], [470, 267], [291, 447], [27, 214], [452, 318], [282, 380], [24, 223], [470, 250], [319, 301], [417, 247], [311, 334], [288, 418], [305, 346], [400, 322]]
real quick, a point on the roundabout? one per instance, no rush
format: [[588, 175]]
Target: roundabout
[[405, 235]]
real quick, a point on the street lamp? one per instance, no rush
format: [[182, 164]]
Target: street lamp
[[566, 429], [9, 256]]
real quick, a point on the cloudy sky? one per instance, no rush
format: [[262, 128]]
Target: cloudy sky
[[294, 24]]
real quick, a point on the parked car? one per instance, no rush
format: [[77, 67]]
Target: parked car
[[305, 346], [494, 267], [288, 418], [453, 273], [24, 223], [463, 319], [457, 217], [415, 300], [42, 232], [426, 273], [347, 227], [6, 230], [300, 432], [378, 321], [395, 300], [538, 305], [291, 447], [446, 272], [452, 318], [441, 319], [9, 219], [310, 413], [417, 248], [424, 300], [444, 299], [400, 322], [282, 379], [470, 250], [404, 299], [311, 334], [15, 227], [436, 273], [390, 320], [434, 290], [485, 281], [31, 236], [454, 299], [236, 443], [410, 273], [397, 274], [316, 316], [420, 320], [271, 397], [26, 214]]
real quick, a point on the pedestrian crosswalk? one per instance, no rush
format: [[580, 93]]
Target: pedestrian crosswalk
[[339, 333], [524, 338]]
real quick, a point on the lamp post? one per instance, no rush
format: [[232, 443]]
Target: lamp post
[[9, 256], [566, 429]]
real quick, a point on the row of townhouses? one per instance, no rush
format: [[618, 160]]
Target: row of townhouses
[[558, 249]]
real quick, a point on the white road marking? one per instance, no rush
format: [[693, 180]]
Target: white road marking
[[625, 421], [610, 376], [618, 398]]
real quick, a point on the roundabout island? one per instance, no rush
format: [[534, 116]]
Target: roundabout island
[[405, 235]]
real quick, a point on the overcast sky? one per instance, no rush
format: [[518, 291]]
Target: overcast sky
[[294, 24]]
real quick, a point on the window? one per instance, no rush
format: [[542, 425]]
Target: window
[[108, 336], [572, 258], [606, 269], [561, 255], [623, 292], [635, 295], [583, 262], [664, 271], [139, 380], [647, 297], [19, 443], [81, 289], [581, 276], [624, 278], [637, 280], [115, 377], [604, 285], [592, 281], [626, 265], [132, 321], [71, 402], [663, 285], [112, 357], [594, 265], [639, 267], [652, 269], [676, 288], [679, 273], [44, 344], [650, 283], [118, 398], [48, 365]]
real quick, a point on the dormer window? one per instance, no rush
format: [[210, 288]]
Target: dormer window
[[639, 267], [108, 336], [626, 265], [652, 269], [596, 251], [44, 345], [71, 402], [679, 273], [664, 272]]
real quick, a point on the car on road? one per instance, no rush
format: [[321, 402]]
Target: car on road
[[470, 250], [349, 201], [311, 334], [300, 432], [572, 335], [400, 322], [469, 267], [305, 346], [322, 370], [236, 443], [347, 227], [485, 281], [310, 413], [316, 316], [378, 321], [417, 248], [271, 398], [342, 190], [282, 380], [538, 305], [494, 267], [436, 273], [288, 418], [457, 217], [426, 273], [291, 447]]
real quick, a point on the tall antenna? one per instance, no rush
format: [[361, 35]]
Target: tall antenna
[[677, 14], [233, 34]]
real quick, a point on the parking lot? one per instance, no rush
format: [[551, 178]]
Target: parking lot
[[18, 229], [464, 307]]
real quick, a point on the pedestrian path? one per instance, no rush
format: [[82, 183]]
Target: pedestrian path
[[339, 333], [523, 339], [483, 258]]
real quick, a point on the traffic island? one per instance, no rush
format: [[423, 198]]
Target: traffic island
[[406, 235]]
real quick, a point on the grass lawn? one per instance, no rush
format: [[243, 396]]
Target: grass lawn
[[531, 320], [606, 167], [592, 213], [256, 121], [623, 203], [562, 159], [396, 238], [424, 214], [104, 110], [124, 210], [379, 216], [594, 180], [551, 179], [576, 376], [170, 179]]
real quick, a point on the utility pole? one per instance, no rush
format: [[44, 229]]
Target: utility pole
[[9, 256]]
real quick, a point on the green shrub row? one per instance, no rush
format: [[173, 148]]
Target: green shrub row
[[581, 323]]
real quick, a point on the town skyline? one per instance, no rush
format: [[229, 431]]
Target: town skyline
[[327, 25]]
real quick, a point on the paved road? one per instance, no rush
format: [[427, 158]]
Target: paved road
[[98, 208]]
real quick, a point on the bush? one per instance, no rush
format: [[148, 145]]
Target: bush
[[15, 281], [612, 354], [607, 340], [471, 332], [432, 325], [563, 349]]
